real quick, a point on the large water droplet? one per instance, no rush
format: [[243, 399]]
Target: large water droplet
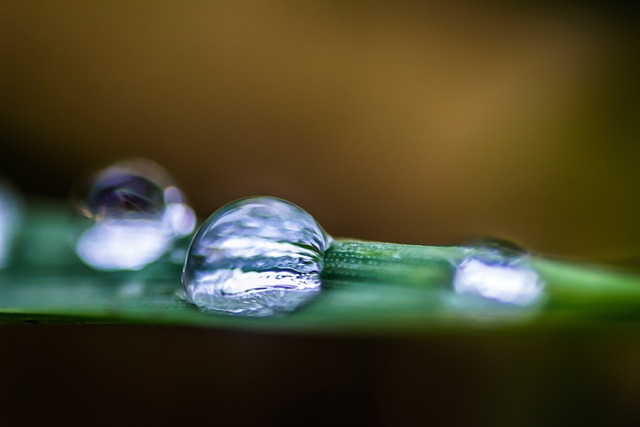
[[498, 271], [10, 216], [255, 257], [137, 212]]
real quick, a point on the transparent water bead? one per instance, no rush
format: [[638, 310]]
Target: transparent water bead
[[10, 216], [255, 257], [136, 214], [499, 271]]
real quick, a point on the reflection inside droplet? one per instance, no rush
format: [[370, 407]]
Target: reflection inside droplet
[[255, 257], [179, 218], [499, 275], [137, 213], [10, 213], [123, 244]]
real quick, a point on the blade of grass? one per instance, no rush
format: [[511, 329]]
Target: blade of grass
[[369, 288]]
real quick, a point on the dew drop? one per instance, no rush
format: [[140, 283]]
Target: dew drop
[[136, 213], [500, 271], [10, 218], [255, 257]]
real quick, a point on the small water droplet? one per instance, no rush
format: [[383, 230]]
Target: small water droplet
[[136, 214], [10, 219], [498, 271], [255, 257]]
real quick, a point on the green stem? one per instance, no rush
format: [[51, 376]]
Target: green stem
[[389, 263], [586, 286], [425, 267]]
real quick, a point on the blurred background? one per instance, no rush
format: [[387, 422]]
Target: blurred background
[[394, 121], [404, 122]]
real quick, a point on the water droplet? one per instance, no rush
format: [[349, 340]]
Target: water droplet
[[255, 257], [10, 218], [136, 214], [498, 271]]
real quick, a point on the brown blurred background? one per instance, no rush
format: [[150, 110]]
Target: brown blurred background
[[388, 121]]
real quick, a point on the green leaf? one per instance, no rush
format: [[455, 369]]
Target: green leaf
[[368, 288]]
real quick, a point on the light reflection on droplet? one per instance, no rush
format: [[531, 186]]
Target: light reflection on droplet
[[500, 275], [137, 213], [255, 257], [10, 216], [122, 244], [179, 218]]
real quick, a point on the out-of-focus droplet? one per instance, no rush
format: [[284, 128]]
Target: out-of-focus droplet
[[136, 214], [499, 271], [255, 257], [10, 218]]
